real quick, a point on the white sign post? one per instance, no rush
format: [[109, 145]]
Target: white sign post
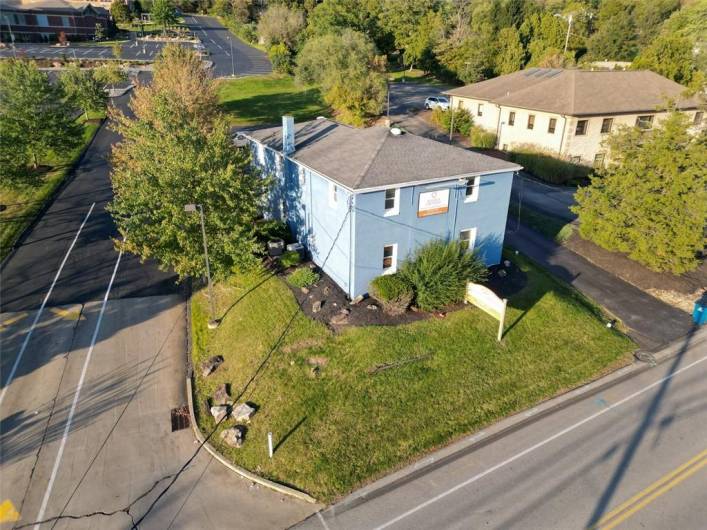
[[485, 299]]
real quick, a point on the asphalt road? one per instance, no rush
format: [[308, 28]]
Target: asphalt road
[[229, 54], [633, 456], [88, 383]]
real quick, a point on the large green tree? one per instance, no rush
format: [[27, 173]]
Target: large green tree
[[616, 36], [349, 71], [669, 56], [164, 12], [177, 150], [83, 89], [651, 200], [510, 55], [280, 24], [334, 16], [119, 11], [35, 119]]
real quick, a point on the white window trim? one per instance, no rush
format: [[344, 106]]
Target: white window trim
[[472, 238], [333, 199], [475, 193], [394, 267], [395, 210]]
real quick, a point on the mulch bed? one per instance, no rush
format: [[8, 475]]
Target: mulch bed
[[370, 313]]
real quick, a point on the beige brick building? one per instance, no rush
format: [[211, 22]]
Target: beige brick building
[[570, 112]]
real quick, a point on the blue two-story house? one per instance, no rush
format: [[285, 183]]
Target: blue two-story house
[[362, 200]]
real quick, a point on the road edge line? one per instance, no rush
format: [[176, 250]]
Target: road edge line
[[244, 473]]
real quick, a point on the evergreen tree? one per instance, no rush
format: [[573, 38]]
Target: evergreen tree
[[651, 200], [177, 150], [510, 56], [34, 117], [669, 56]]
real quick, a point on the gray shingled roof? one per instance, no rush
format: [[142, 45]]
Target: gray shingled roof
[[579, 92], [373, 157]]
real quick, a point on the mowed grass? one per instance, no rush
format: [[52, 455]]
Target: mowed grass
[[23, 202], [265, 99], [414, 76], [346, 426], [550, 226]]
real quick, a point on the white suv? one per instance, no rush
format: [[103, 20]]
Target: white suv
[[434, 102]]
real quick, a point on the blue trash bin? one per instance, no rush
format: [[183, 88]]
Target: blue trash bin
[[699, 313]]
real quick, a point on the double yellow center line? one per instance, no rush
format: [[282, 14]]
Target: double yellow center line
[[642, 499]]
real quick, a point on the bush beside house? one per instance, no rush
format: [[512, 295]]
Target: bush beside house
[[481, 138], [548, 167], [394, 293], [303, 277], [463, 120]]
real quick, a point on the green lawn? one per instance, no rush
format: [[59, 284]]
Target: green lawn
[[265, 99], [338, 430], [24, 202], [415, 76], [548, 225]]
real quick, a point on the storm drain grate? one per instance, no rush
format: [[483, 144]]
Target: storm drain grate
[[180, 418]]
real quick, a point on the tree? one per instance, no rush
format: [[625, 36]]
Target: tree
[[349, 72], [510, 56], [651, 201], [109, 74], [177, 150], [163, 12], [83, 90], [543, 34], [34, 117], [119, 11], [616, 36], [334, 16], [281, 58], [280, 24], [669, 56], [410, 25], [420, 44]]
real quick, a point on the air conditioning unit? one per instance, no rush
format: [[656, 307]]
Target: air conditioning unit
[[296, 247], [275, 247]]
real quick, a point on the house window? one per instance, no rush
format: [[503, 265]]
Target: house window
[[471, 193], [480, 109], [511, 118], [531, 121], [551, 125], [698, 118], [333, 190], [606, 125], [390, 258], [467, 238], [576, 159], [505, 147], [644, 122], [599, 160], [581, 128], [392, 201]]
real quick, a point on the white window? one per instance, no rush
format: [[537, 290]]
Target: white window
[[467, 238], [333, 191], [644, 122], [392, 202], [390, 258], [480, 110], [471, 193]]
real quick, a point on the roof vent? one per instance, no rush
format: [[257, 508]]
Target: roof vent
[[396, 131]]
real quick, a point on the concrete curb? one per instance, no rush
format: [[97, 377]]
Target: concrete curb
[[280, 488], [70, 175], [508, 425]]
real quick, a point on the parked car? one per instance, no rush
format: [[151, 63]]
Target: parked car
[[435, 102]]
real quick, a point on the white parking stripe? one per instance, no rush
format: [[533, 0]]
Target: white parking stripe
[[41, 308], [67, 427], [539, 444]]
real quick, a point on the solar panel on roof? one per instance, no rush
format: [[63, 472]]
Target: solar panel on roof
[[553, 72]]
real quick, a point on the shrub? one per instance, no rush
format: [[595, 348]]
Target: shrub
[[463, 121], [290, 258], [281, 59], [439, 271], [394, 292], [269, 229], [549, 168], [303, 277], [481, 138]]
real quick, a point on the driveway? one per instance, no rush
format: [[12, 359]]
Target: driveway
[[93, 363]]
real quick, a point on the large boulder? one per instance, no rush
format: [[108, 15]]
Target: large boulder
[[233, 436], [221, 396], [209, 366], [219, 412], [243, 412]]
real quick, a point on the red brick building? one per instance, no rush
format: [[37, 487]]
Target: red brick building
[[46, 20]]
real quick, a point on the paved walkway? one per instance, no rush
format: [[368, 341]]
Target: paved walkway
[[651, 323]]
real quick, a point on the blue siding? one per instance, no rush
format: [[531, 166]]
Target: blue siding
[[300, 197]]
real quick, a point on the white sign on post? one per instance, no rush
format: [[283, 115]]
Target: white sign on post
[[433, 202], [485, 299]]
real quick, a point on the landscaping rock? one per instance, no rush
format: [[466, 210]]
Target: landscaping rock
[[219, 412], [341, 318], [360, 298], [326, 290], [221, 396], [209, 367], [345, 311], [235, 436], [317, 306], [507, 263], [372, 307], [243, 412], [502, 273], [304, 290]]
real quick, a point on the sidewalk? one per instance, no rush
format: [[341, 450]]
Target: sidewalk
[[650, 322]]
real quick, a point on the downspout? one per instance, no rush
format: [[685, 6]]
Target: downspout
[[498, 126], [352, 257], [562, 138]]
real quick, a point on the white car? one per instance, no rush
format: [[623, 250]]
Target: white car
[[437, 102]]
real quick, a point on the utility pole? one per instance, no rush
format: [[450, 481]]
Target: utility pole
[[451, 121], [190, 208], [569, 28], [233, 59]]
